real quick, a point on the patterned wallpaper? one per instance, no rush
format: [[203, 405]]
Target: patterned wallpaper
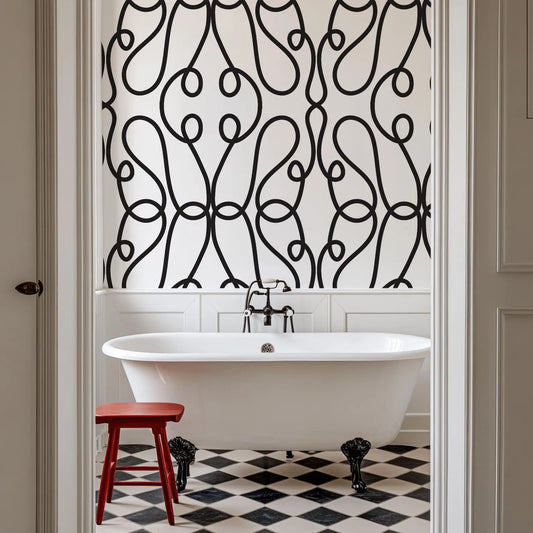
[[252, 139]]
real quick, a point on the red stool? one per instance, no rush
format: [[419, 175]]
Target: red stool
[[138, 415]]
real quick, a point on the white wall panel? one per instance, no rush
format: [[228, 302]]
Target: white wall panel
[[402, 312], [128, 312], [223, 312]]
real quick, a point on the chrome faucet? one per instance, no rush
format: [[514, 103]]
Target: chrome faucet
[[264, 286]]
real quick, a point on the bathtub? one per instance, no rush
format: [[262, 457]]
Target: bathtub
[[312, 392]]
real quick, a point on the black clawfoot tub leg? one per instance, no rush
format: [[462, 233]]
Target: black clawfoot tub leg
[[355, 450], [184, 452]]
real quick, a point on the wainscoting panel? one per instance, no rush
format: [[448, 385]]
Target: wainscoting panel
[[224, 312], [152, 312], [129, 311], [402, 312]]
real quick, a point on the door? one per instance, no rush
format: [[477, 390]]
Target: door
[[502, 372], [17, 264]]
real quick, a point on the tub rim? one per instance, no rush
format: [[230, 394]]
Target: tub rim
[[111, 350]]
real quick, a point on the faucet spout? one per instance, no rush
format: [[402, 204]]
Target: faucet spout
[[263, 288]]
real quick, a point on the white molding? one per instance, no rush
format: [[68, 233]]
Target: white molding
[[451, 274], [395, 307], [243, 291], [314, 305], [416, 430], [133, 307], [86, 66], [46, 165]]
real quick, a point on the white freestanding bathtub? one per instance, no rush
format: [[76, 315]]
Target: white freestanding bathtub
[[313, 392]]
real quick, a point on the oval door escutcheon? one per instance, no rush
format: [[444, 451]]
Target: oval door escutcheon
[[30, 287]]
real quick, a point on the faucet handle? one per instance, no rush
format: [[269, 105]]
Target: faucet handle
[[287, 310]]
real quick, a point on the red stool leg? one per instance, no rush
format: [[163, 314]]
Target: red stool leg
[[163, 473], [113, 464], [104, 480], [170, 469]]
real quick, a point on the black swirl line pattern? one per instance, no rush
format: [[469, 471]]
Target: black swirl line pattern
[[269, 138]]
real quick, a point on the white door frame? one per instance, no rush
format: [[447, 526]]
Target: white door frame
[[57, 21]]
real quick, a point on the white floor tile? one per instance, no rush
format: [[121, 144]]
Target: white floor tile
[[234, 525], [295, 525], [424, 454], [291, 486], [395, 486], [406, 506], [413, 525], [350, 506], [357, 525], [292, 505], [289, 504], [237, 505], [386, 470]]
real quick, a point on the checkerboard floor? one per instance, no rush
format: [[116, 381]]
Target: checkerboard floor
[[243, 491]]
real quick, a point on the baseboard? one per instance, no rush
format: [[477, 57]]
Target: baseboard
[[100, 442], [415, 430]]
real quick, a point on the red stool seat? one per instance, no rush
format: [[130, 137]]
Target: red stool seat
[[153, 415]]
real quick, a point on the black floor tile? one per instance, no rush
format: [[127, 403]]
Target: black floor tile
[[152, 496], [425, 516], [206, 516], [265, 477], [210, 495], [120, 475], [407, 462], [154, 476], [107, 516], [264, 495], [319, 495], [420, 494], [315, 478], [374, 496], [415, 477], [134, 448], [313, 462], [130, 460], [218, 462], [214, 478], [324, 516], [397, 448], [265, 516], [385, 517], [368, 478], [116, 495], [147, 516], [265, 462]]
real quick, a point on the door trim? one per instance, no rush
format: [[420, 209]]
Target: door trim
[[451, 275], [451, 404], [46, 232], [86, 144]]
